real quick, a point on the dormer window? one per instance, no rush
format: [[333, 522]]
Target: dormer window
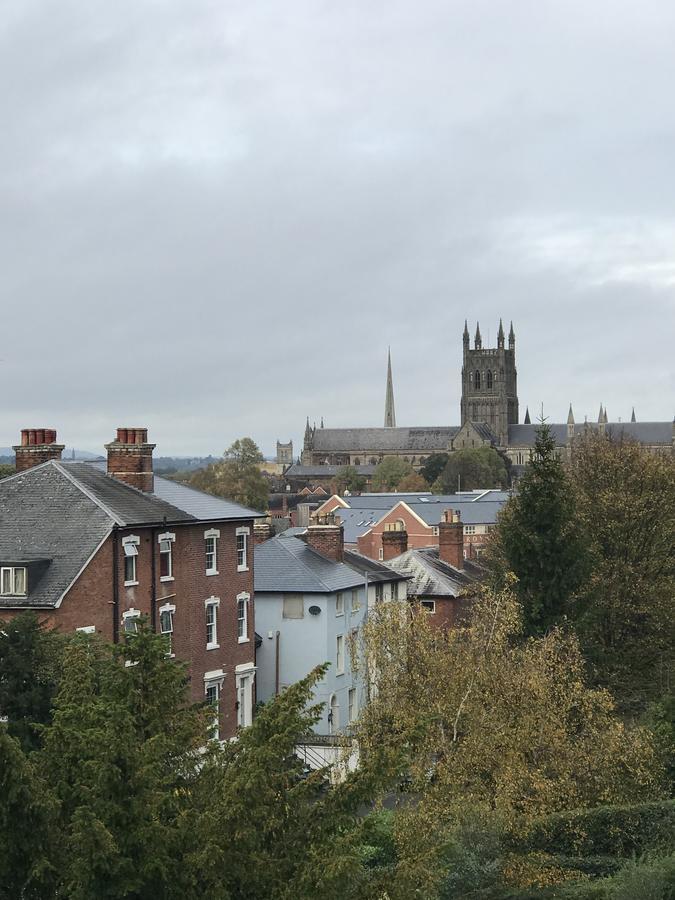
[[13, 580]]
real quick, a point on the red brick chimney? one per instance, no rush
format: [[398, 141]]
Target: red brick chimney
[[37, 445], [394, 541], [130, 458], [325, 535], [451, 538]]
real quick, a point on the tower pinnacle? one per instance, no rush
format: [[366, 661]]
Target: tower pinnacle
[[389, 411], [527, 420], [478, 341], [512, 338], [500, 336], [632, 416], [465, 336]]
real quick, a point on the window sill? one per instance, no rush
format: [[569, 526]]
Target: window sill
[[243, 640], [339, 673], [169, 656], [339, 614], [242, 568], [212, 572], [130, 583], [213, 646], [166, 578]]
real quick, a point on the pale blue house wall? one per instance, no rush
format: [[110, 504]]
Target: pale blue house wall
[[305, 643]]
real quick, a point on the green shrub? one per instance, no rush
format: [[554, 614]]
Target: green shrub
[[605, 831]]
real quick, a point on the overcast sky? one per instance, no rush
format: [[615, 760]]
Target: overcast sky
[[216, 216]]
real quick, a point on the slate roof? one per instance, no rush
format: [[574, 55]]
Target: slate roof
[[376, 571], [290, 565], [644, 432], [358, 521], [68, 537], [429, 439], [62, 511], [429, 576], [387, 501]]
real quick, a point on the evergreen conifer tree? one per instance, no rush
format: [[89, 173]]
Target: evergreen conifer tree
[[541, 539]]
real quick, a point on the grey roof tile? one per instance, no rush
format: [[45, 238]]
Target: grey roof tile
[[431, 577], [289, 565], [73, 529]]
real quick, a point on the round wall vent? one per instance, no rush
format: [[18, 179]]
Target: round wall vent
[[314, 610]]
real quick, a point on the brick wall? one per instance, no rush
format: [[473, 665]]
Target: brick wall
[[90, 602]]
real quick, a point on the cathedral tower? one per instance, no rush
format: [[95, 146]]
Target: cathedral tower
[[489, 383]]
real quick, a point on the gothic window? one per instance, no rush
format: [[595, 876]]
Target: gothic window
[[476, 380], [489, 381], [475, 411]]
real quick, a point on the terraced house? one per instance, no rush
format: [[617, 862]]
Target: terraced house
[[95, 546]]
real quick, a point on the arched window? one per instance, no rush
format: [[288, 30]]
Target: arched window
[[333, 715], [476, 380], [489, 381]]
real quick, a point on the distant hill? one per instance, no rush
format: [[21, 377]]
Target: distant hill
[[68, 453]]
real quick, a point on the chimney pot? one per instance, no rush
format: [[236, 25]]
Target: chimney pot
[[38, 445], [130, 458], [326, 536]]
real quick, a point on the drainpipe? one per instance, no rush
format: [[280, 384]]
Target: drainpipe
[[115, 586], [276, 665], [153, 583]]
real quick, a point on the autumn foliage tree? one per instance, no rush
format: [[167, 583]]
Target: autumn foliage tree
[[506, 727]]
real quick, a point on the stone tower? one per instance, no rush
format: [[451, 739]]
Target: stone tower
[[389, 411], [489, 383]]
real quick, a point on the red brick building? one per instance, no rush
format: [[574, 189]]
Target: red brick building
[[95, 546], [440, 579]]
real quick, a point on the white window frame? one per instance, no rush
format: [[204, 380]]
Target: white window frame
[[379, 592], [12, 581], [130, 614], [214, 604], [380, 553], [428, 606], [130, 546], [170, 538], [435, 531], [352, 705], [170, 609], [339, 604], [242, 532], [86, 629], [355, 601], [213, 534], [243, 599], [244, 677], [340, 654], [215, 680], [469, 529], [333, 714]]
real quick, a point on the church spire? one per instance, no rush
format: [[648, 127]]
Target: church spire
[[527, 420], [500, 336], [512, 338], [389, 411], [632, 416], [465, 336], [601, 417], [478, 342], [570, 416]]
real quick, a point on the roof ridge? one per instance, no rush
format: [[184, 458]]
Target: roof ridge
[[87, 493], [309, 571]]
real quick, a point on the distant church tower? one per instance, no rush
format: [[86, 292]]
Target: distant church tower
[[489, 383], [389, 411]]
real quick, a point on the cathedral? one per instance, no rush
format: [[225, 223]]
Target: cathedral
[[489, 417]]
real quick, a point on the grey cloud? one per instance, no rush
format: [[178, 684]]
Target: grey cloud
[[215, 217]]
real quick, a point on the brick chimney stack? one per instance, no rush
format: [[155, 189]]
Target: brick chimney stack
[[262, 531], [325, 535], [38, 445], [394, 541], [451, 539], [130, 458]]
